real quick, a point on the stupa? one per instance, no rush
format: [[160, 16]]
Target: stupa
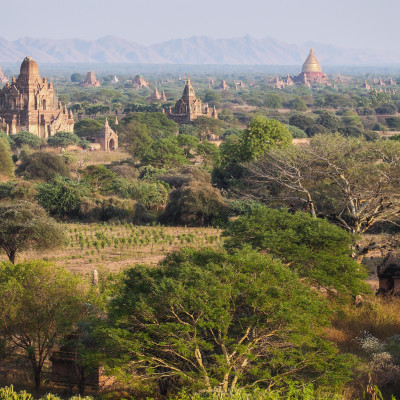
[[311, 71]]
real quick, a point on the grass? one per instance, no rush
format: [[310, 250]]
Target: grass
[[115, 246]]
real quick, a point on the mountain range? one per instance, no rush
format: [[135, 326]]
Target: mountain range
[[195, 50]]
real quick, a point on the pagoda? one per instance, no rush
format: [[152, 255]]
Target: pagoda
[[29, 103], [311, 71], [189, 107]]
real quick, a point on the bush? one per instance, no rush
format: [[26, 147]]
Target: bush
[[196, 204], [61, 196], [386, 108], [26, 138], [44, 166], [6, 161], [63, 139], [296, 132]]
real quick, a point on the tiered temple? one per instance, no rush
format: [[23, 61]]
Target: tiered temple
[[189, 107], [90, 80], [30, 104]]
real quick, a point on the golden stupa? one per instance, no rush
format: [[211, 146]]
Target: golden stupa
[[311, 64]]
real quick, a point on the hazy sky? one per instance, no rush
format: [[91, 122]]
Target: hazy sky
[[349, 23]]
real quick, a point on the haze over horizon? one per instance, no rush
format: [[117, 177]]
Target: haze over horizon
[[345, 23]]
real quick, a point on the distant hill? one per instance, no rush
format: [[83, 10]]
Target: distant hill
[[195, 50]]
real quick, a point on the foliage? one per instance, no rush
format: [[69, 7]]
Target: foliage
[[63, 139], [6, 162], [136, 138], [273, 100], [261, 134], [350, 181], [87, 128], [17, 190], [329, 121], [150, 194], [39, 306], [312, 247], [296, 132], [195, 203], [207, 126], [165, 153], [26, 138], [386, 108], [210, 319], [99, 178], [158, 125], [42, 165], [25, 225], [301, 121], [298, 104], [61, 196]]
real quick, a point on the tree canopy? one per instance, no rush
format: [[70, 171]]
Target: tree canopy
[[313, 247], [209, 319], [25, 225], [39, 305]]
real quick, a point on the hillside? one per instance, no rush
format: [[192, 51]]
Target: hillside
[[195, 50]]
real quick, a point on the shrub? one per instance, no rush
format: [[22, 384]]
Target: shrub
[[44, 166]]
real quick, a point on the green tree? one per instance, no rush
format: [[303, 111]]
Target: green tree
[[76, 77], [25, 225], [87, 128], [207, 126], [42, 165], [6, 162], [39, 305], [63, 139], [329, 121], [350, 181], [313, 247], [212, 320], [136, 138], [263, 134], [301, 121], [209, 151], [165, 153], [196, 203], [26, 138], [273, 100], [99, 178], [61, 196], [298, 104], [188, 143], [159, 125]]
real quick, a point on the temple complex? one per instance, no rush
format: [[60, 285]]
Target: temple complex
[[189, 107], [311, 71], [90, 80], [30, 104], [3, 78]]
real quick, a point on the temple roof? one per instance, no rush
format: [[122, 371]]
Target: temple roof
[[188, 91], [311, 64], [29, 67]]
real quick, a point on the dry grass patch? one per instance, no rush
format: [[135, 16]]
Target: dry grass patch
[[115, 246]]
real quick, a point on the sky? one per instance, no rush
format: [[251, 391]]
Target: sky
[[366, 24]]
